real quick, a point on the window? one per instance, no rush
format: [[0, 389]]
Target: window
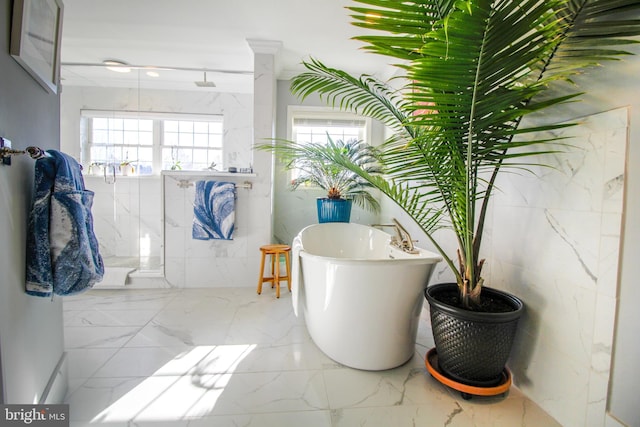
[[313, 125], [195, 144], [153, 142]]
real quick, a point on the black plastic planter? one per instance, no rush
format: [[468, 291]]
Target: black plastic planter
[[473, 347]]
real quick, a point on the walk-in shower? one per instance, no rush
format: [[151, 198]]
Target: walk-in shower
[[125, 128]]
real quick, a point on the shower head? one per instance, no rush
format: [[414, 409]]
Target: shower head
[[205, 83]]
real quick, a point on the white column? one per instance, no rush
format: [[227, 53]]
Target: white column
[[264, 112]]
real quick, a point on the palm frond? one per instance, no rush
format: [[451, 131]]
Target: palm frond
[[472, 70], [366, 95]]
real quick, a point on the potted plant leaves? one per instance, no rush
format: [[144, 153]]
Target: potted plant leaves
[[313, 166], [127, 168], [468, 72]]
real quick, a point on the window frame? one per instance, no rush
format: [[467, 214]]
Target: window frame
[[157, 146], [323, 113]]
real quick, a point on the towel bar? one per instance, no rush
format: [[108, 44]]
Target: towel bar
[[6, 152], [186, 183]]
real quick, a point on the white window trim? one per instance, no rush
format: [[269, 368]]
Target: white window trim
[[328, 113], [148, 115], [157, 128]]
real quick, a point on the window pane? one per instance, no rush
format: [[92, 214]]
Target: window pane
[[145, 138], [100, 123], [201, 127], [215, 141], [115, 124], [145, 154], [146, 125], [170, 126], [98, 154], [100, 137], [115, 137], [185, 140], [200, 140], [186, 126], [130, 138], [200, 159], [215, 156], [215, 127], [130, 124], [127, 154], [171, 138], [167, 158], [185, 157]]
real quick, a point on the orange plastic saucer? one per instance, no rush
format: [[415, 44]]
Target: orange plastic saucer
[[467, 391]]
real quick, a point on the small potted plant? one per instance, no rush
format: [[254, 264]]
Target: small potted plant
[[127, 168], [313, 167], [96, 169]]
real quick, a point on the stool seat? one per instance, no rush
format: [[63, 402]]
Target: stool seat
[[275, 251]]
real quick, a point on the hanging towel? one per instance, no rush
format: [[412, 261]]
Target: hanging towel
[[214, 210], [62, 249]]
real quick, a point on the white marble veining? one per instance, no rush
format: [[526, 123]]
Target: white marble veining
[[229, 357], [193, 263], [128, 214], [210, 263], [554, 242]]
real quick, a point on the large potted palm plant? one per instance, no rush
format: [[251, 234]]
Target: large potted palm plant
[[311, 163], [468, 72]]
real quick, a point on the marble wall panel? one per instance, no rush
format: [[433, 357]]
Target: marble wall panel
[[192, 263], [554, 242]]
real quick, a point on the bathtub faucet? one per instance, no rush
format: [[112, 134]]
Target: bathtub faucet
[[403, 239]]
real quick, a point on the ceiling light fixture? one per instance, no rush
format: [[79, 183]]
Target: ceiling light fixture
[[153, 74], [117, 66]]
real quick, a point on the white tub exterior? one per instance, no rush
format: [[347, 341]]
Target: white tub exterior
[[361, 297]]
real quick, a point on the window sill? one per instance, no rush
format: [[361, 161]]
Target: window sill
[[207, 173]]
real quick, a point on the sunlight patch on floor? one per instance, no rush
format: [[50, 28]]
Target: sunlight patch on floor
[[186, 387]]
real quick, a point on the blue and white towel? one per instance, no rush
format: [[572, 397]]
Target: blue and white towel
[[214, 210], [62, 249]]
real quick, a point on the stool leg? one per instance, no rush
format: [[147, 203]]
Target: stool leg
[[273, 258], [287, 261], [260, 279], [276, 278]]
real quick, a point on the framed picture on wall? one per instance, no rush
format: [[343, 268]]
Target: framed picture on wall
[[36, 30]]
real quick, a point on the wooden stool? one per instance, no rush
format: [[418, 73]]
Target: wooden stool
[[275, 251]]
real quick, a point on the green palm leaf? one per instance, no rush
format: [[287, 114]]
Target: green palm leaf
[[472, 70]]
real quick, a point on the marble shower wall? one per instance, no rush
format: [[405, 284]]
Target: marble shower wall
[[191, 263], [555, 242], [128, 213], [127, 216]]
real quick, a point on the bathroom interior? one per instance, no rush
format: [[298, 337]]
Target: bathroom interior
[[170, 306]]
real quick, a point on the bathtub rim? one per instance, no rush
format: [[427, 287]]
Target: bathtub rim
[[424, 256], [421, 258]]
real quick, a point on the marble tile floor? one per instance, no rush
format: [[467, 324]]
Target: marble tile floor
[[228, 357]]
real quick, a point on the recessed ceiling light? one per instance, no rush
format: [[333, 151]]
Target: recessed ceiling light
[[153, 74], [117, 66]]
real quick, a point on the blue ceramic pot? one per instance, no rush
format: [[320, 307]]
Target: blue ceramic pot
[[333, 210]]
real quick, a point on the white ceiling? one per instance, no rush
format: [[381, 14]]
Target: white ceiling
[[206, 34]]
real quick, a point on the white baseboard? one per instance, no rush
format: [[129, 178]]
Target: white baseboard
[[58, 384]]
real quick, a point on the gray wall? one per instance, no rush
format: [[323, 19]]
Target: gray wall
[[31, 334]]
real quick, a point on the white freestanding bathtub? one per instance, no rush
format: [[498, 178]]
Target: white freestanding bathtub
[[361, 296]]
